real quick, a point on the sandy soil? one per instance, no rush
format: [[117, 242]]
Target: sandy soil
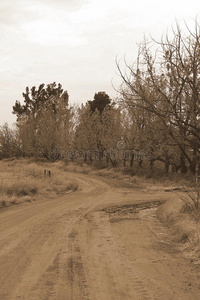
[[99, 243]]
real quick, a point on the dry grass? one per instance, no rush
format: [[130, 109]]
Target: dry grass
[[76, 168], [23, 180], [112, 173], [127, 177], [184, 225]]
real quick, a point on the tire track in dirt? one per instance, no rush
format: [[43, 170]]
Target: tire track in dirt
[[76, 272], [108, 272], [34, 238], [60, 288]]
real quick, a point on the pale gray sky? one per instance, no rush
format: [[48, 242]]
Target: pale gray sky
[[75, 42]]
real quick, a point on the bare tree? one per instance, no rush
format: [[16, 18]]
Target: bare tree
[[166, 83]]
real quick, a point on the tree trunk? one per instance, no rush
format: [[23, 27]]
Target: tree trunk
[[124, 162], [167, 164], [182, 165], [131, 160], [193, 164], [151, 164], [140, 163]]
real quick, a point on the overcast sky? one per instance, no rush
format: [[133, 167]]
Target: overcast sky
[[75, 42]]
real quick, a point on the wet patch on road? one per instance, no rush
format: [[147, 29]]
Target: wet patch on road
[[129, 211]]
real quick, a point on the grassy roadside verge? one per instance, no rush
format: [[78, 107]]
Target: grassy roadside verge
[[24, 181], [183, 221], [126, 179]]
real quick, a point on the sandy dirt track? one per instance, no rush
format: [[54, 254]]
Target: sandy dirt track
[[99, 243]]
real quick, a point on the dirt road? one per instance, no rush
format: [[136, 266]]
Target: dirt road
[[99, 243]]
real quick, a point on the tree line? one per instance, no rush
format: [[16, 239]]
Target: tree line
[[155, 118]]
